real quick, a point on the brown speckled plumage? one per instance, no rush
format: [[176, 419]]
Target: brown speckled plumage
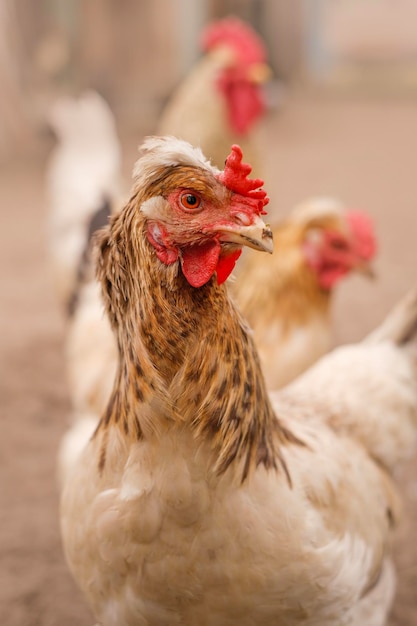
[[186, 349]]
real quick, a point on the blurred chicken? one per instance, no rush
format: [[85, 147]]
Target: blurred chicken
[[221, 99], [287, 300], [83, 178], [198, 500], [84, 185]]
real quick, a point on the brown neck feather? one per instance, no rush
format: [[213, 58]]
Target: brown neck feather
[[185, 355]]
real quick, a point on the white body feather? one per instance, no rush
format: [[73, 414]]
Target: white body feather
[[298, 349], [162, 542]]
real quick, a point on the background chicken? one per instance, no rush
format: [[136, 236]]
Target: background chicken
[[195, 502], [220, 101], [83, 178], [287, 298], [83, 182]]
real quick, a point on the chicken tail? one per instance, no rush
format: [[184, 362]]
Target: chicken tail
[[400, 325]]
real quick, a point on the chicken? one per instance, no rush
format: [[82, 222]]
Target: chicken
[[200, 499], [84, 185], [287, 301], [82, 179], [221, 99]]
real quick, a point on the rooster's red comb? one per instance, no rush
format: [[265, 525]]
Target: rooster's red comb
[[235, 177], [235, 34]]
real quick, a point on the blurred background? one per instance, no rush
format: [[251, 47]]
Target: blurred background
[[342, 120], [135, 52]]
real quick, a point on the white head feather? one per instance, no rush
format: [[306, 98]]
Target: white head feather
[[168, 152]]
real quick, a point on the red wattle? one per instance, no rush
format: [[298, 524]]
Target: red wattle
[[329, 276], [244, 102], [199, 262], [226, 265]]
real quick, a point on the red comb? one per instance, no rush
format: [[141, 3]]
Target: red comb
[[363, 230], [234, 177], [234, 33]]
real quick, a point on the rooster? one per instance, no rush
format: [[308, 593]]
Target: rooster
[[200, 499], [287, 301], [221, 99]]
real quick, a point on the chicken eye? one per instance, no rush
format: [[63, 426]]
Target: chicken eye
[[190, 201], [339, 244]]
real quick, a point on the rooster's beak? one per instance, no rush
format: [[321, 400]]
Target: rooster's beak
[[257, 236], [259, 73]]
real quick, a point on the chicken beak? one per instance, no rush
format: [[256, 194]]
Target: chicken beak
[[366, 269], [259, 73], [257, 236]]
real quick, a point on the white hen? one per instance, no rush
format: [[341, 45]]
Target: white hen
[[83, 178], [83, 174]]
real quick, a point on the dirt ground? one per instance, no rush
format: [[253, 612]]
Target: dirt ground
[[363, 150]]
